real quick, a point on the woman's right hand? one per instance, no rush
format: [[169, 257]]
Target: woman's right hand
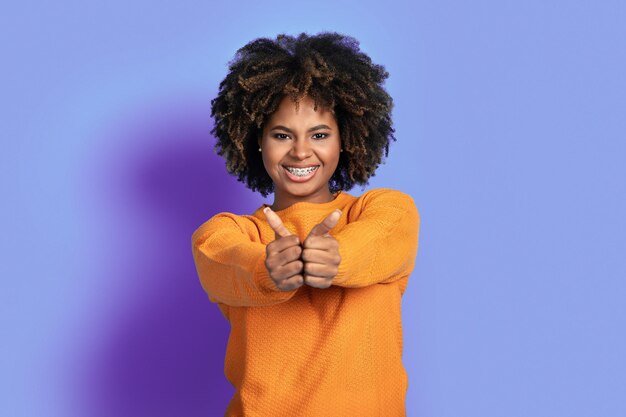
[[283, 255]]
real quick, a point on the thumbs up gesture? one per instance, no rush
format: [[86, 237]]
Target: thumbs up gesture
[[315, 262], [283, 255], [320, 253]]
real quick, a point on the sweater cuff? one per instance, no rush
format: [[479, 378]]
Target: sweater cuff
[[353, 261]]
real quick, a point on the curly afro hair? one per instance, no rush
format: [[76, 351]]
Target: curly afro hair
[[331, 70]]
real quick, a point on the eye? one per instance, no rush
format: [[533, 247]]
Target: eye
[[324, 134], [280, 134]]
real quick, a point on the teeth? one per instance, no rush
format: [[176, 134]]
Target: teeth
[[301, 172]]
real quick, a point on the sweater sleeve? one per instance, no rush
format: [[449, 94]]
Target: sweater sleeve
[[381, 245], [231, 267]]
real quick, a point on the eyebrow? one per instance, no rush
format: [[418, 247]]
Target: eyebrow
[[281, 127]]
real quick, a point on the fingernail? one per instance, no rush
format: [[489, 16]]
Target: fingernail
[[265, 209]]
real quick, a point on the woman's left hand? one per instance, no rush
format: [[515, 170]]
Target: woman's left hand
[[320, 253]]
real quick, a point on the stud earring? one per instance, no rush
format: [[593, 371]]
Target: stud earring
[[259, 149], [341, 150]]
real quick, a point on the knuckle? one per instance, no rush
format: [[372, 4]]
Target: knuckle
[[292, 283], [281, 258], [297, 267]]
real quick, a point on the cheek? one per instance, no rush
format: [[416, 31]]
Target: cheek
[[271, 162], [333, 153]]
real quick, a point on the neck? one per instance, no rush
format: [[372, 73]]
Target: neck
[[282, 201]]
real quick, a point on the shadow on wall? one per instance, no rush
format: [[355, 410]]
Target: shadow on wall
[[161, 342]]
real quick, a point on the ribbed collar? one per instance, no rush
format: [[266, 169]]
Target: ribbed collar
[[340, 201]]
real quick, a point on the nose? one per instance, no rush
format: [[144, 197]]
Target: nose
[[301, 149]]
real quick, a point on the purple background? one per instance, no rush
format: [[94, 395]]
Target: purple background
[[510, 119]]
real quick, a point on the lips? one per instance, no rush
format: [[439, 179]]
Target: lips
[[301, 178]]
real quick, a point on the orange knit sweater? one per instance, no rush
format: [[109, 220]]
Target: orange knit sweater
[[314, 352]]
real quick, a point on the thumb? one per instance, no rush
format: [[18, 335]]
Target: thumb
[[328, 223], [276, 223]]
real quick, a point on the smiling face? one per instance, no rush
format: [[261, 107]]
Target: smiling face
[[304, 139]]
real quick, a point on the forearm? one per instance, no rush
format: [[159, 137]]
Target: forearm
[[231, 268], [378, 248]]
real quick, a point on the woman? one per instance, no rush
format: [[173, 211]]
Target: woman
[[312, 284]]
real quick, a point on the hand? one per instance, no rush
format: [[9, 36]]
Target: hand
[[283, 255], [320, 253]]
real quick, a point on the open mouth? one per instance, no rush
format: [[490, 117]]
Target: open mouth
[[300, 174]]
